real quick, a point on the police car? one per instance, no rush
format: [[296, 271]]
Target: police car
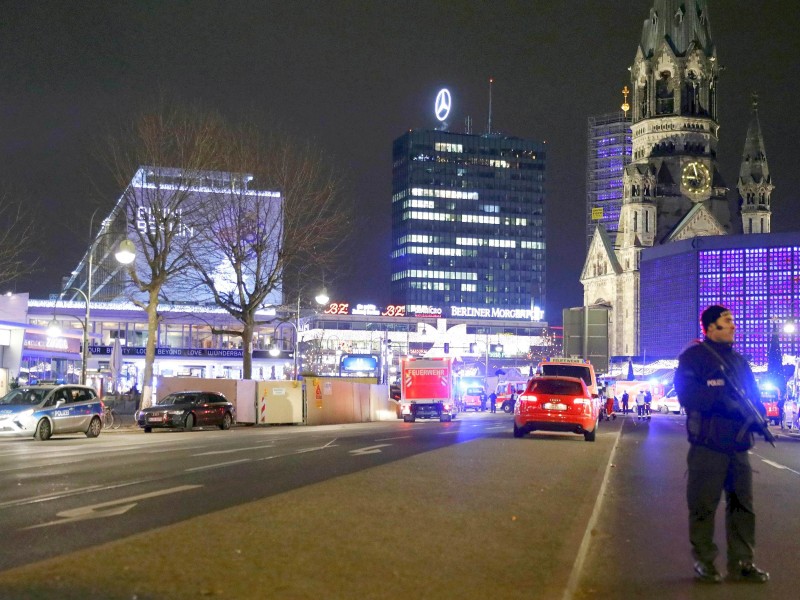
[[40, 411]]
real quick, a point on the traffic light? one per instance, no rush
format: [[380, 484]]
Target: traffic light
[[447, 347]]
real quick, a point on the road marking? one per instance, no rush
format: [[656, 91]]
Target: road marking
[[779, 466], [400, 437], [109, 509], [216, 465], [577, 566], [234, 450], [368, 450], [315, 448]]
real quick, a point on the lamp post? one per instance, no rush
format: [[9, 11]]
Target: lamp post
[[125, 254], [322, 299]]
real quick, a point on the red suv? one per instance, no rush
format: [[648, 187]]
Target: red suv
[[553, 403]]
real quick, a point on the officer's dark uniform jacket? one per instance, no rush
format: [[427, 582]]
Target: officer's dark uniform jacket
[[713, 415]]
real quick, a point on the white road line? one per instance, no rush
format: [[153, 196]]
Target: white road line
[[779, 466], [401, 437], [68, 493], [315, 448], [577, 566], [234, 450], [216, 465]]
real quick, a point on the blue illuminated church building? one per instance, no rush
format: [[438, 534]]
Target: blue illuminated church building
[[685, 239]]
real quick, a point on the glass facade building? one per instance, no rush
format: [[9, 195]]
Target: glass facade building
[[608, 151], [468, 220], [757, 276]]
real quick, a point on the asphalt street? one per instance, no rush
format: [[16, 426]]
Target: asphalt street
[[381, 510]]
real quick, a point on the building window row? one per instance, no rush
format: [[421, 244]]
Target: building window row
[[425, 274]]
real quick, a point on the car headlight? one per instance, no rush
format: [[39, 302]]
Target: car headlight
[[175, 413]]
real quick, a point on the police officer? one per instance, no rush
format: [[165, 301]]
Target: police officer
[[719, 441]]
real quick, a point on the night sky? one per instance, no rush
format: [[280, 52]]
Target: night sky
[[353, 76]]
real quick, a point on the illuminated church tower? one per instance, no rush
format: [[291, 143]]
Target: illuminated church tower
[[672, 189], [755, 184]]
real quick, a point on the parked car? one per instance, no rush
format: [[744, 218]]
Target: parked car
[[40, 411], [667, 404], [186, 410], [552, 403]]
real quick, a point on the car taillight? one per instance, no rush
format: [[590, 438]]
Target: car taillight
[[586, 402], [532, 400]]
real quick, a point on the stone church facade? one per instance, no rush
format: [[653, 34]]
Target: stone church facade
[[672, 189]]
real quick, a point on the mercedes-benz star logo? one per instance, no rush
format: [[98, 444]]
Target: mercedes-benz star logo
[[442, 104]]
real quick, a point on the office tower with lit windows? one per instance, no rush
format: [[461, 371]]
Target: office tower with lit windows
[[468, 222], [608, 151]]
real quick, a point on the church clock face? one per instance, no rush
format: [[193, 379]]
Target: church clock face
[[695, 178]]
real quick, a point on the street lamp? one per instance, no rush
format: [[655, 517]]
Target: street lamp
[[321, 299], [125, 254]]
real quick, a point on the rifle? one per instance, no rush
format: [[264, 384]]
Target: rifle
[[752, 416]]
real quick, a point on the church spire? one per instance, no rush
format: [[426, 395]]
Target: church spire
[[755, 184], [680, 23]]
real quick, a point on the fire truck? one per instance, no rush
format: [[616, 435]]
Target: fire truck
[[426, 390]]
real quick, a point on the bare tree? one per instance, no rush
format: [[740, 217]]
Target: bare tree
[[281, 209], [159, 160], [17, 237]]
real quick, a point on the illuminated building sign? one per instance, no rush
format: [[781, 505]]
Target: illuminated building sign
[[352, 363], [443, 103], [394, 310], [419, 348], [138, 352], [484, 312], [366, 309], [147, 223], [337, 308], [424, 311], [39, 341]]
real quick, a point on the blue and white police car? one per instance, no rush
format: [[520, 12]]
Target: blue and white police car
[[40, 411]]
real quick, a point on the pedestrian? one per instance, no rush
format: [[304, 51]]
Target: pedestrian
[[136, 397], [493, 402], [609, 408], [625, 399], [483, 401], [790, 414], [640, 400], [708, 376]]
